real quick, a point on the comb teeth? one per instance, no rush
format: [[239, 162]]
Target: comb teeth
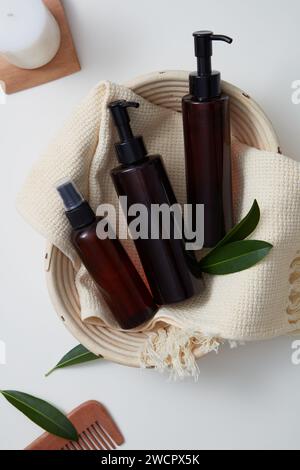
[[106, 436], [93, 438], [91, 441]]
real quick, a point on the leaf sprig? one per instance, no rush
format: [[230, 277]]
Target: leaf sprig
[[233, 253], [77, 355], [42, 413]]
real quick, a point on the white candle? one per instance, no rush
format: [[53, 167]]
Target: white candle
[[29, 34]]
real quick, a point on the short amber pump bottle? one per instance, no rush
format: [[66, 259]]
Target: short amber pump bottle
[[107, 262], [206, 119]]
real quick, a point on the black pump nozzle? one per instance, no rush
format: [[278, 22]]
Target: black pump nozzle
[[121, 117], [205, 83], [131, 149], [204, 51]]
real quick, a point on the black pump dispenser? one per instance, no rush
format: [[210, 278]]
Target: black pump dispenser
[[131, 149], [205, 84], [143, 179]]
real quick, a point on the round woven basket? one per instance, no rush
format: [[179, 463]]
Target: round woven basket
[[249, 124]]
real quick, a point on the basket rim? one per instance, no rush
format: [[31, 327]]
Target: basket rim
[[144, 82]]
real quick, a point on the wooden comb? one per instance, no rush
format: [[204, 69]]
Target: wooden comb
[[96, 429]]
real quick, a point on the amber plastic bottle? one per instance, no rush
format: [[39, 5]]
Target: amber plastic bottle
[[206, 119], [144, 180], [107, 262]]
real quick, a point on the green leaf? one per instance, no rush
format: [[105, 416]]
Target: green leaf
[[244, 228], [77, 355], [235, 257], [42, 413]]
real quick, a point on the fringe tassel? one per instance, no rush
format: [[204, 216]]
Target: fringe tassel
[[172, 349]]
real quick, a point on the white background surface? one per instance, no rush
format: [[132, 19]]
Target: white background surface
[[246, 397]]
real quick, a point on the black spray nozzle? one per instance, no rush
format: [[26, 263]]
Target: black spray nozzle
[[130, 149], [77, 209], [70, 195], [206, 83]]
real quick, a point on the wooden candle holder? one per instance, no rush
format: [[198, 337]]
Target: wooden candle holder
[[64, 63]]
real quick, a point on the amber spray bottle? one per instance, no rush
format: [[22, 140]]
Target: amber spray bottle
[[143, 179], [107, 262], [206, 119]]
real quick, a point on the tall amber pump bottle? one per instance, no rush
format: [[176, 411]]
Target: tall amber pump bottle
[[107, 262], [206, 119]]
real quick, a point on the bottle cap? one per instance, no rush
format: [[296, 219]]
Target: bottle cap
[[77, 210], [130, 149], [70, 195], [205, 83]]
